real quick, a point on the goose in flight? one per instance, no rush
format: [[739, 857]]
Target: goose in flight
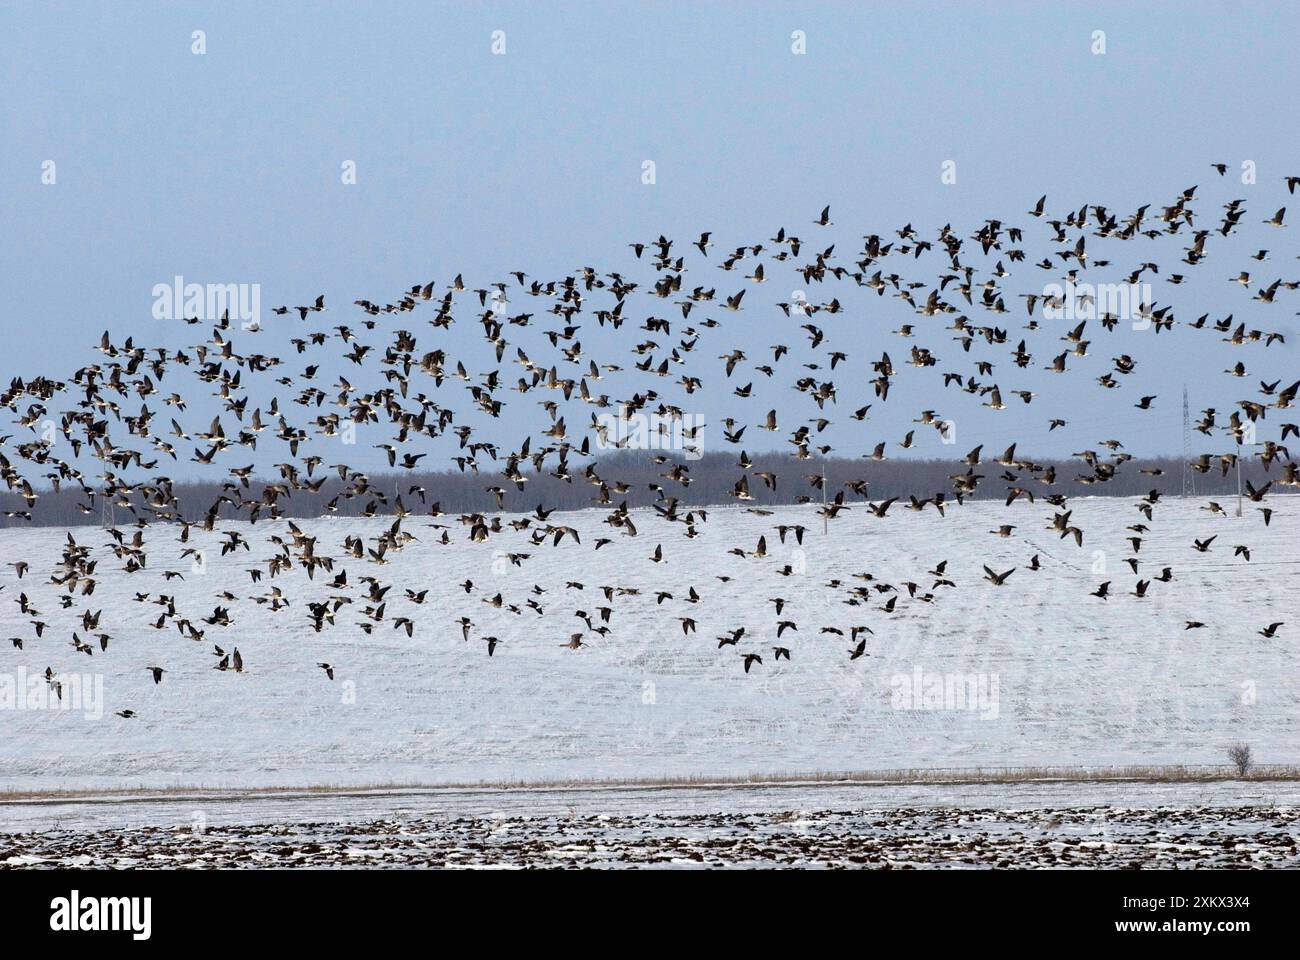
[[997, 579]]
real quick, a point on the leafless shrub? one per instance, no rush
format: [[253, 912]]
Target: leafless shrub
[[1240, 757]]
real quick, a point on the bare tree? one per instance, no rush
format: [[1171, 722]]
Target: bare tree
[[1240, 756]]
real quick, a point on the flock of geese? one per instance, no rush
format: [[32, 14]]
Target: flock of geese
[[404, 374]]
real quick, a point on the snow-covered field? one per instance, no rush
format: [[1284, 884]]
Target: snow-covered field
[[1055, 839], [1221, 824], [1064, 678]]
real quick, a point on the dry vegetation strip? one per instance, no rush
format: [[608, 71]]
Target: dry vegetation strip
[[919, 776]]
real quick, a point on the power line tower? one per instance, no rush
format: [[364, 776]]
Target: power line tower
[[1189, 484], [107, 511]]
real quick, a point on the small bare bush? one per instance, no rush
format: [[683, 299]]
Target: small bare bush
[[1240, 757]]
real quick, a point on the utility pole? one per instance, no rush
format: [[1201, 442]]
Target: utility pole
[[1187, 443], [825, 518], [1239, 480]]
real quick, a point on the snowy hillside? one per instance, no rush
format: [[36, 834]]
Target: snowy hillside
[[1063, 677]]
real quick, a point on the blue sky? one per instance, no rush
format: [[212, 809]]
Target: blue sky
[[225, 167]]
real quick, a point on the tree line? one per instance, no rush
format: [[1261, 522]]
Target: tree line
[[712, 480]]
